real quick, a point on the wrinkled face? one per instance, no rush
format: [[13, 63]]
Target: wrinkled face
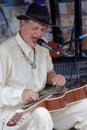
[[31, 31]]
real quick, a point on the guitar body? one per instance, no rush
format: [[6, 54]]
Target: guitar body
[[51, 103], [57, 102]]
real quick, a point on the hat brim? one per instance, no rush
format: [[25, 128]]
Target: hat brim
[[25, 17]]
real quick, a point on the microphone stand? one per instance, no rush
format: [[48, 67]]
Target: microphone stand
[[73, 40], [72, 36]]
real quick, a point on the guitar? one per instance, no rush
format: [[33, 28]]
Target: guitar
[[56, 46], [51, 100]]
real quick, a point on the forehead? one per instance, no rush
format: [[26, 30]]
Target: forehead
[[35, 23]]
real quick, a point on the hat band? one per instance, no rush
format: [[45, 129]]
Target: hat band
[[39, 17]]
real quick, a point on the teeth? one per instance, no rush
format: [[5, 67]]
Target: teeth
[[34, 39]]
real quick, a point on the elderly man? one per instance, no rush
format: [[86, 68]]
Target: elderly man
[[25, 68]]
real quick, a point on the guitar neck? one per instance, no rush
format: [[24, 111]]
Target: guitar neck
[[34, 103], [44, 94], [27, 108]]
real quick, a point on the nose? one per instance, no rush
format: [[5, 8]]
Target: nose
[[40, 33]]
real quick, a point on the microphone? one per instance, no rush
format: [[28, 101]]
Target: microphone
[[41, 42], [82, 36]]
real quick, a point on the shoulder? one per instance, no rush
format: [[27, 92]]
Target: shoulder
[[9, 43], [8, 46]]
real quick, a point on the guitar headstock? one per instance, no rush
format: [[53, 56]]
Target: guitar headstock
[[16, 118]]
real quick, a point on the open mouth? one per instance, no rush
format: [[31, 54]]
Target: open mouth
[[34, 39]]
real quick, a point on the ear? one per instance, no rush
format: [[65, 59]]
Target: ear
[[23, 23]]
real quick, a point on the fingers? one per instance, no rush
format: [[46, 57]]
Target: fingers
[[59, 80], [33, 96], [29, 95]]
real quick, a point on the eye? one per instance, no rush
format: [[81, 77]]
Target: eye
[[35, 28], [44, 30]]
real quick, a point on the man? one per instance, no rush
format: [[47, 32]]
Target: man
[[25, 68]]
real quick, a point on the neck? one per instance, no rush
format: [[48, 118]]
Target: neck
[[24, 39]]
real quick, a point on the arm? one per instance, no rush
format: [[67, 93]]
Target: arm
[[12, 93]]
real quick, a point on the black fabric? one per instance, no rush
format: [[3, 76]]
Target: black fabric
[[69, 129], [72, 128]]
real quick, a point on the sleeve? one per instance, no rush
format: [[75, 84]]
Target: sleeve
[[9, 95]]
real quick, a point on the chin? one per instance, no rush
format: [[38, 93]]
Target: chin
[[34, 44]]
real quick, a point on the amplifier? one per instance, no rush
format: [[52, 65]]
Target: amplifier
[[74, 70]]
